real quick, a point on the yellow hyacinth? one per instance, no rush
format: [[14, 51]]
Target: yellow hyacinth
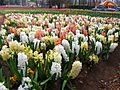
[[5, 53], [84, 45], [76, 68]]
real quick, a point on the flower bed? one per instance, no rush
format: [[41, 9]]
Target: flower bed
[[40, 49]]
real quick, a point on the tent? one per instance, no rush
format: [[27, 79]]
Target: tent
[[107, 6]]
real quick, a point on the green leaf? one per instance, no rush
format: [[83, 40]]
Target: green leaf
[[8, 81], [41, 72], [64, 84], [44, 82], [14, 69], [1, 76], [36, 76]]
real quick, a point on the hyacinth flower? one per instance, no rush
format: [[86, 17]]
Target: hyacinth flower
[[22, 62]]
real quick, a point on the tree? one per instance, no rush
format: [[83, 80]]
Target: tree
[[55, 2], [1, 2]]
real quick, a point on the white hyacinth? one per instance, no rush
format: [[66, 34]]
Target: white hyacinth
[[116, 36], [36, 43], [43, 46], [92, 39], [31, 36], [56, 69], [98, 47], [60, 49], [2, 87], [23, 37], [22, 61], [113, 46], [110, 32], [83, 37], [2, 32], [66, 45], [75, 47], [76, 68], [26, 84], [10, 37]]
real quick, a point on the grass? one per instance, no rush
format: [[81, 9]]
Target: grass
[[60, 11]]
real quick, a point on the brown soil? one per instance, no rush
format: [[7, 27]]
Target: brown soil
[[103, 76]]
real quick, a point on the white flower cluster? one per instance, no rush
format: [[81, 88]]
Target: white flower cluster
[[26, 84], [98, 47], [66, 45], [31, 36], [22, 61], [2, 87], [36, 43], [23, 37], [60, 49], [10, 37], [113, 46], [56, 69]]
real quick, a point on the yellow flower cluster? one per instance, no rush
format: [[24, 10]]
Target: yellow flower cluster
[[94, 58], [102, 38], [84, 46], [50, 55], [76, 68], [48, 39], [5, 53], [57, 57], [38, 57], [111, 38], [53, 55], [28, 51], [16, 47]]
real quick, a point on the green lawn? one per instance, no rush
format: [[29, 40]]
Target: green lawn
[[61, 11]]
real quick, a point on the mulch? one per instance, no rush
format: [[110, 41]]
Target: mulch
[[103, 76]]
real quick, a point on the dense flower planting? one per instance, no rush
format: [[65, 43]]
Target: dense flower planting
[[41, 48]]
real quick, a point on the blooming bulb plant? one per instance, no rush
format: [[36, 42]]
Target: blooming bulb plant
[[113, 46], [57, 57], [14, 46], [98, 47], [22, 61], [60, 49], [23, 37], [84, 45], [31, 36], [36, 43], [76, 68], [94, 58], [26, 84], [66, 45], [56, 69], [10, 37], [5, 53], [2, 87]]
